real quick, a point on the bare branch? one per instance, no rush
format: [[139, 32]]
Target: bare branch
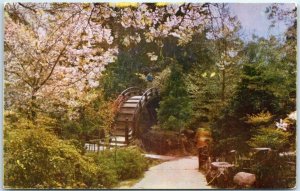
[[27, 7], [54, 65]]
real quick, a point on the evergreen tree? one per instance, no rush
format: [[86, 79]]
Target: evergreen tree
[[252, 95], [175, 108]]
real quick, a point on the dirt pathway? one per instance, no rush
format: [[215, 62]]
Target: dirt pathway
[[181, 173]]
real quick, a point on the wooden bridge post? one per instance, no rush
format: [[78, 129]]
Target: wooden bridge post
[[126, 132]]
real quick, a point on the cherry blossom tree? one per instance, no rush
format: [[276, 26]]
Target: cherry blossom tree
[[54, 49], [46, 56]]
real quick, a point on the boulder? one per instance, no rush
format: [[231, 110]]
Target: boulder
[[244, 179]]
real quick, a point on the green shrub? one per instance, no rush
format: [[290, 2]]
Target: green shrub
[[99, 175], [35, 158], [271, 138], [261, 118], [161, 79], [130, 163], [226, 145], [127, 162]]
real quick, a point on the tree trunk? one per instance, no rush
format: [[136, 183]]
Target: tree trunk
[[223, 85], [33, 105]]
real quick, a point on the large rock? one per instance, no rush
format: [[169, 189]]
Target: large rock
[[244, 179]]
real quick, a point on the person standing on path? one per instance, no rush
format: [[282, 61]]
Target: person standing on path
[[203, 140]]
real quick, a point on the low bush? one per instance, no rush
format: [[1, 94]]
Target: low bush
[[271, 169], [270, 137], [127, 162]]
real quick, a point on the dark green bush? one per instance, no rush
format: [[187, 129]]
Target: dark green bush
[[273, 171], [127, 162]]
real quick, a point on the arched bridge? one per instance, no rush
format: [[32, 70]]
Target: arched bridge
[[130, 105]]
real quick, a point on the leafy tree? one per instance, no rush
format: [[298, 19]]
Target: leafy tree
[[204, 87], [228, 44], [252, 96], [57, 58], [278, 76], [203, 84]]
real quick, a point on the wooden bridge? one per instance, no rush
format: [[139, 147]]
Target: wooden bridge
[[130, 105]]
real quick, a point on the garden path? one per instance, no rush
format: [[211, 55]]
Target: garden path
[[179, 173]]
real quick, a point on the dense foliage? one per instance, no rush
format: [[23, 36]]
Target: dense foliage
[[259, 90], [29, 150], [122, 74]]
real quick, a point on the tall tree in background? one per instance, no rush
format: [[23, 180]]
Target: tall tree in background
[[175, 108], [214, 76], [224, 30], [203, 81]]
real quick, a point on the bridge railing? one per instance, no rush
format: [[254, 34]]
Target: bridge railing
[[125, 95], [147, 95], [131, 91]]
